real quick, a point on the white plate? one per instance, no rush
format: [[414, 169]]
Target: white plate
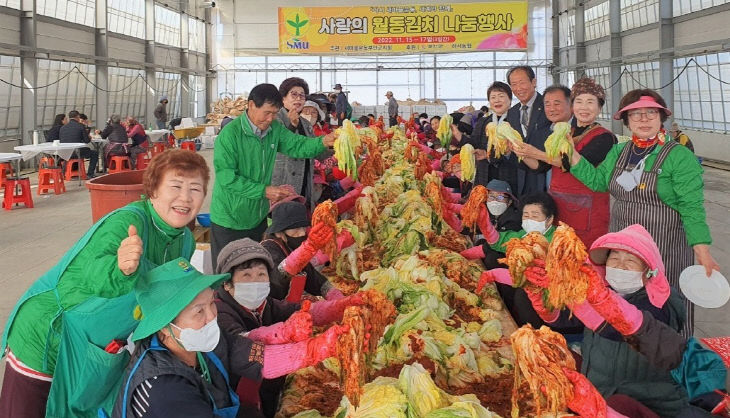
[[707, 292]]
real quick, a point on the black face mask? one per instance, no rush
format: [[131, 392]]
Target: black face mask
[[295, 242]]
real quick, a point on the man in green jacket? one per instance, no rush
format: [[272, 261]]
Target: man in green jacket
[[244, 156]]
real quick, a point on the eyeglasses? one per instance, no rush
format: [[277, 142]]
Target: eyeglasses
[[637, 115], [497, 197], [297, 95]]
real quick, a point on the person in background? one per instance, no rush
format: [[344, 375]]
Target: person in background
[[75, 132], [312, 112], [295, 172], [430, 128], [483, 111], [116, 133], [106, 262], [341, 104], [278, 332], [467, 122], [584, 210], [139, 145], [161, 113], [244, 158], [500, 213], [538, 214], [53, 133], [292, 248], [656, 183], [681, 137], [528, 118], [392, 109], [226, 120], [423, 120], [500, 98]]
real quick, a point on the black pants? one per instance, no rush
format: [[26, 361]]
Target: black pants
[[393, 121], [93, 157], [519, 306], [220, 236]]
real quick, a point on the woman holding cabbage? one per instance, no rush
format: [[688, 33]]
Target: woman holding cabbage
[[584, 210]]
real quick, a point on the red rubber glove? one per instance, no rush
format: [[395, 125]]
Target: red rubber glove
[[586, 401], [318, 237], [485, 225], [347, 202], [622, 315], [449, 196], [537, 275], [500, 275], [324, 345], [435, 165], [536, 300], [453, 207], [486, 277], [344, 240], [452, 220], [328, 311], [473, 253], [297, 328]]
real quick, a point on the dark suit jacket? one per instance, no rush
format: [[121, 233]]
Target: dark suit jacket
[[73, 131], [504, 168], [528, 181]]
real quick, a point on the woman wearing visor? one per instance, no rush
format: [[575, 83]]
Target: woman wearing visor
[[656, 183]]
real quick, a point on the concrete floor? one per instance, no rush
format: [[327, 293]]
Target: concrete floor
[[33, 240]]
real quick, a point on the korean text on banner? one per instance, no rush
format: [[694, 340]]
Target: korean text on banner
[[444, 27]]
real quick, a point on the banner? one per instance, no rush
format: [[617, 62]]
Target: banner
[[446, 27]]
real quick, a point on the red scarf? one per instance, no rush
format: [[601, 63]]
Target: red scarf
[[646, 143]]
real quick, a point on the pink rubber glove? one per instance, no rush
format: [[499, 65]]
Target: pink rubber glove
[[545, 314], [428, 151], [500, 275], [347, 202], [485, 225], [587, 315], [622, 315], [346, 183], [327, 311], [435, 165], [334, 294], [344, 240], [440, 174], [451, 219], [297, 328], [454, 207], [318, 237], [586, 400], [280, 360], [473, 253]]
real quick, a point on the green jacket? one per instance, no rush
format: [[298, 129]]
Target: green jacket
[[244, 164], [94, 272], [504, 237], [679, 185]]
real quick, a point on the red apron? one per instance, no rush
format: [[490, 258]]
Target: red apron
[[586, 211]]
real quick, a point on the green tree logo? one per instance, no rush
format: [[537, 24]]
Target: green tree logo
[[297, 24]]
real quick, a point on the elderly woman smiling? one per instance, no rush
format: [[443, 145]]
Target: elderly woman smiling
[[655, 183], [104, 264]]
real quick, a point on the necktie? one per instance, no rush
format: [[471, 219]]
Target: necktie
[[525, 117]]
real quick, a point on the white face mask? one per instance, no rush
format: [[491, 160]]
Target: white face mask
[[338, 91], [624, 282], [496, 208], [311, 119], [204, 339], [251, 295], [530, 225]]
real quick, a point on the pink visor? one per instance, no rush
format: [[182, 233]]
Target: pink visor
[[644, 101]]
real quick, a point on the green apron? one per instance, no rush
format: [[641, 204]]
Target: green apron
[[86, 377]]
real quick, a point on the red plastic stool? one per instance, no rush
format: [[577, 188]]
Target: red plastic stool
[[47, 162], [158, 148], [119, 164], [188, 145], [50, 178], [17, 190], [143, 160], [78, 171], [6, 169]]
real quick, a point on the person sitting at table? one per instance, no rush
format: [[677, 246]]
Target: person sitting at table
[[75, 132], [117, 136], [136, 132], [58, 122]]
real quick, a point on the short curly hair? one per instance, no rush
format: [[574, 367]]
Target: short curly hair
[[180, 161], [292, 82]]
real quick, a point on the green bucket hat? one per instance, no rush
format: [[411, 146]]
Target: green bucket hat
[[166, 290]]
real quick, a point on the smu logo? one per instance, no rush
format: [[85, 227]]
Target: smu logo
[[297, 44]]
